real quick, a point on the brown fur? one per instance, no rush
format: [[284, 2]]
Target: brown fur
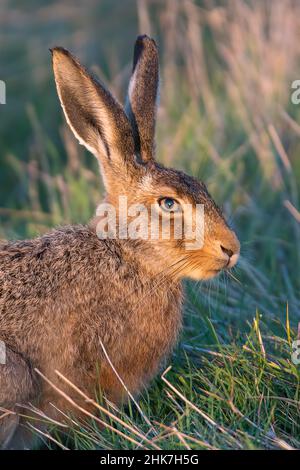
[[66, 293], [142, 96]]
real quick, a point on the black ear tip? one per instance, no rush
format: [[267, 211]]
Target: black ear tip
[[55, 49], [60, 50], [144, 39], [60, 54], [144, 47]]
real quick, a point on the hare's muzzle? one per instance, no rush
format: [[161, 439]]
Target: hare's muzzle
[[227, 250]]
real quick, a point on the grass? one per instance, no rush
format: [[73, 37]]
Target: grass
[[226, 117], [235, 396]]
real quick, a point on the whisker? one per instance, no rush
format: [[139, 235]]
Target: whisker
[[233, 277]]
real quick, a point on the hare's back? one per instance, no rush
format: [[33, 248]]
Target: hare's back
[[52, 257]]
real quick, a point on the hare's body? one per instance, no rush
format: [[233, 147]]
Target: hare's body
[[64, 294], [97, 303]]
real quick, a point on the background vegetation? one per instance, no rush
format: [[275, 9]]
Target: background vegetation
[[225, 116]]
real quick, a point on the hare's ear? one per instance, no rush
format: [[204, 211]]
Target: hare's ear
[[142, 96], [95, 117]]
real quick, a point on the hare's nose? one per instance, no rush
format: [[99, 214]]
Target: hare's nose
[[227, 251], [232, 257]]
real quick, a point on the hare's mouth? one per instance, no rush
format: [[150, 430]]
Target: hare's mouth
[[212, 269], [215, 272]]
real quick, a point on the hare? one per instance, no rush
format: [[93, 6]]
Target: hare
[[100, 309]]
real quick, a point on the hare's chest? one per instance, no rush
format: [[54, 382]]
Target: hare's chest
[[145, 341]]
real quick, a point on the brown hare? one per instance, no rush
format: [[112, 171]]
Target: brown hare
[[69, 297]]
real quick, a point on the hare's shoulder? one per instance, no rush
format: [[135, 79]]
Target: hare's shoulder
[[62, 242], [61, 256]]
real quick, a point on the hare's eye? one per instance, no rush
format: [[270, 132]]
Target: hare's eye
[[169, 204]]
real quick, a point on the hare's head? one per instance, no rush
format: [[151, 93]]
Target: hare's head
[[123, 142]]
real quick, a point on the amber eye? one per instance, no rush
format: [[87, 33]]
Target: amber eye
[[169, 204]]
